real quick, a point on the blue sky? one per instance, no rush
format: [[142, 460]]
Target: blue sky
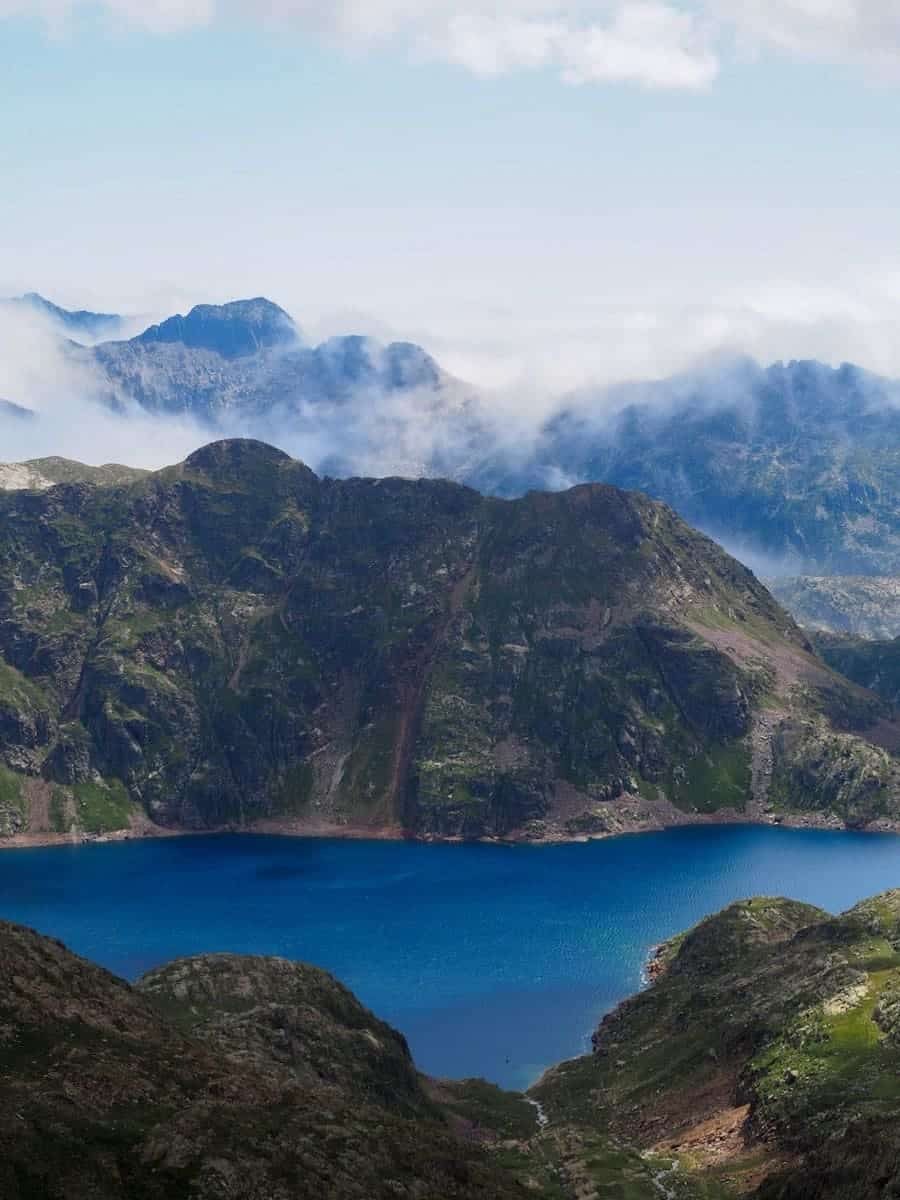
[[439, 175]]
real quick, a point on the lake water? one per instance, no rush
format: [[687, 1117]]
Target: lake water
[[493, 961]]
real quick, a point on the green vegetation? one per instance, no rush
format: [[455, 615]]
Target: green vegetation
[[405, 655], [103, 807], [715, 780], [10, 788], [13, 805], [58, 810], [774, 1006]]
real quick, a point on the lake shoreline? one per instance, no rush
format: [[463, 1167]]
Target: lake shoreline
[[143, 829], [492, 963]]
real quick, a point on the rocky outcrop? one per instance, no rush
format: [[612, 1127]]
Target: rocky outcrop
[[218, 1078]]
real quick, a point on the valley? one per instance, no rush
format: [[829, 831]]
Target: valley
[[757, 1062]]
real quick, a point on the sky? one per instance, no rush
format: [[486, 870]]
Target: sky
[[543, 193]]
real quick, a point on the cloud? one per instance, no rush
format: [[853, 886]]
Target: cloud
[[654, 43], [651, 44], [842, 31], [647, 42], [37, 373]]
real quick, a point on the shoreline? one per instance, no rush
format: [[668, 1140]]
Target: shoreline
[[146, 830]]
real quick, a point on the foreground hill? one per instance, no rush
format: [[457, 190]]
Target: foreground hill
[[761, 1062], [225, 1077], [766, 1054], [234, 642]]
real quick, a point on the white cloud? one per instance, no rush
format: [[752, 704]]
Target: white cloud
[[37, 373], [648, 42], [844, 31], [654, 43], [651, 44]]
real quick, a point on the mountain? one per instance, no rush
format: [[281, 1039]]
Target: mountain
[[38, 474], [80, 324], [862, 606], [793, 467], [765, 1055], [797, 464], [16, 411], [871, 663], [244, 367], [225, 1077], [235, 642], [235, 330]]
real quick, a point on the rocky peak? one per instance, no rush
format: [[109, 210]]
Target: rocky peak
[[233, 330]]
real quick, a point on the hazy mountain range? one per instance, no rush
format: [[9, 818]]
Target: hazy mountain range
[[793, 466]]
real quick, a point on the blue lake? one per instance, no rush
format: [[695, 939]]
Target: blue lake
[[493, 961]]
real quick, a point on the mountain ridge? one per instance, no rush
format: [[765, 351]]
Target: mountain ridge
[[792, 461], [792, 465], [80, 323], [234, 642]]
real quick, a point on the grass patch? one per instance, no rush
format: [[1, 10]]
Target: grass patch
[[715, 780], [103, 807], [57, 811], [11, 789], [507, 1114]]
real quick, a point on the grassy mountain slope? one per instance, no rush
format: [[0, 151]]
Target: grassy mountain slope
[[765, 1056], [235, 642], [37, 474], [761, 1062]]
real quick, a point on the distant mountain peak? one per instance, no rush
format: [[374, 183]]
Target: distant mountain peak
[[233, 330], [9, 409], [81, 322]]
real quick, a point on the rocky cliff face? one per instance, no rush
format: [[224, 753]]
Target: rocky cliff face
[[234, 641], [872, 664]]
